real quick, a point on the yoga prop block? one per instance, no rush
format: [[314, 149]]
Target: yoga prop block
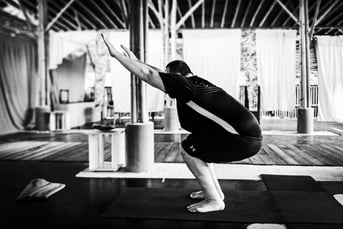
[[277, 207], [171, 121], [139, 147], [305, 120]]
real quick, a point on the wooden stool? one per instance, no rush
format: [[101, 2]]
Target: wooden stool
[[96, 150]]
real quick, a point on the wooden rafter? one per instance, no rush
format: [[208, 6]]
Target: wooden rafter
[[256, 13], [105, 14], [212, 13], [125, 14], [279, 14], [192, 15], [339, 16], [288, 11], [64, 25], [326, 12], [122, 21], [80, 3], [77, 20], [315, 18], [64, 18], [189, 13], [246, 13], [67, 15], [180, 14], [156, 12], [267, 14], [224, 14], [151, 23], [203, 15], [28, 20], [52, 22], [236, 13]]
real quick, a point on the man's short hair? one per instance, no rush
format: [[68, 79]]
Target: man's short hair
[[178, 67]]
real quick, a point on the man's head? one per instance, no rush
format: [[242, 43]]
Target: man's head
[[178, 67]]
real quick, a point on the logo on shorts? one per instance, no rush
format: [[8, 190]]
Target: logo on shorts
[[192, 148]]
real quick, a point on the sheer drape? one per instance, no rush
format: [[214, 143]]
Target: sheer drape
[[18, 79], [330, 78], [276, 66], [214, 55]]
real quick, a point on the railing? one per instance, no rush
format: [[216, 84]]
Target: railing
[[255, 107]]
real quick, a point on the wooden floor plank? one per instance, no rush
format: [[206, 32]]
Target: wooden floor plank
[[284, 156], [311, 154]]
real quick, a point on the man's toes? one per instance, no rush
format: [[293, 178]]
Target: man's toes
[[191, 208]]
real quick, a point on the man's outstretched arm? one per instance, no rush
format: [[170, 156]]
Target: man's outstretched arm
[[145, 72]]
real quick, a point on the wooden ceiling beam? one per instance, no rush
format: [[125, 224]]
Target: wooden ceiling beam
[[246, 13], [339, 16], [180, 14], [267, 14], [59, 14], [224, 14], [105, 14], [203, 14], [288, 11], [326, 12], [63, 18], [27, 18], [125, 14], [96, 18], [279, 14], [236, 13], [256, 13], [315, 17], [189, 13], [212, 13], [192, 15]]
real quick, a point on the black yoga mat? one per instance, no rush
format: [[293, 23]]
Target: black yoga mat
[[291, 183], [241, 206]]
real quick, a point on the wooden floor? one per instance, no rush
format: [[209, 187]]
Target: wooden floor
[[276, 149], [57, 157]]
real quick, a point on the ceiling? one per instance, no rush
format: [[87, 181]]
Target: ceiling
[[113, 14]]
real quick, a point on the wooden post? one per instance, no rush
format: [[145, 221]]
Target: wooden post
[[303, 31], [138, 33], [305, 112], [42, 57], [173, 31], [140, 132]]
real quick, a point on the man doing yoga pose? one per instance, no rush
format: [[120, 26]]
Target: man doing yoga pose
[[221, 128]]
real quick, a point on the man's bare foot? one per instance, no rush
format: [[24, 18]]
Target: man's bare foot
[[207, 206], [200, 195]]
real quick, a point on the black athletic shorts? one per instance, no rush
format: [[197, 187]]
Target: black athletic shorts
[[221, 148]]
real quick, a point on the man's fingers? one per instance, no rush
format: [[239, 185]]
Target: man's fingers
[[125, 49]]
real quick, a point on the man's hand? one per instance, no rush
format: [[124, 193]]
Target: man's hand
[[111, 49], [128, 52]]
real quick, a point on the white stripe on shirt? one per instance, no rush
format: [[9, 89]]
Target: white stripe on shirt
[[212, 116]]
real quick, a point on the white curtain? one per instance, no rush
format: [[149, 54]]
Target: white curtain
[[18, 83], [330, 78], [276, 67], [215, 56], [121, 77]]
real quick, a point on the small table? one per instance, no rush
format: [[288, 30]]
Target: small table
[[96, 150]]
